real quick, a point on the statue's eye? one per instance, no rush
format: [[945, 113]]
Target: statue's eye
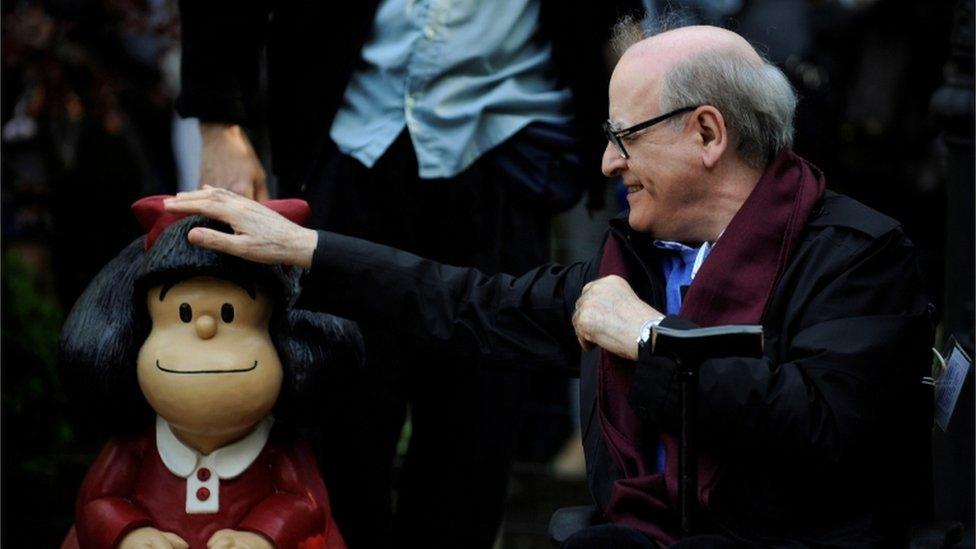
[[186, 313], [227, 313]]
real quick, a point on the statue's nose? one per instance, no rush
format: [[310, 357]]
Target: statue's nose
[[206, 326]]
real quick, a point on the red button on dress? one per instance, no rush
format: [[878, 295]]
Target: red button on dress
[[203, 474], [203, 494]]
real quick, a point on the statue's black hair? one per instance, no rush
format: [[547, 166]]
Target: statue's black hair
[[101, 337]]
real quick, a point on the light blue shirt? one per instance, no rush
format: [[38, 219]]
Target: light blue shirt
[[461, 75]]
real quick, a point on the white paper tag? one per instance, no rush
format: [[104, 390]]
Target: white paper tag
[[949, 385]]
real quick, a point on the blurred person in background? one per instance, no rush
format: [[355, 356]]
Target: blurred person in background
[[85, 128]]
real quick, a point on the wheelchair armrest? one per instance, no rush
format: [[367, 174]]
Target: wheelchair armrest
[[568, 520]]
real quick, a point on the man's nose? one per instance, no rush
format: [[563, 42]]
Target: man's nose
[[613, 163], [206, 326]]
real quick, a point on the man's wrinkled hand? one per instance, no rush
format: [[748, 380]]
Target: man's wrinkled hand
[[228, 161], [237, 539], [151, 538], [260, 233], [609, 315]]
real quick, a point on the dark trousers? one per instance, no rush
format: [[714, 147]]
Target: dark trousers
[[464, 420], [615, 536]]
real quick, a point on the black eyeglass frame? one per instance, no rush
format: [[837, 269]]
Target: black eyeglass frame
[[614, 135]]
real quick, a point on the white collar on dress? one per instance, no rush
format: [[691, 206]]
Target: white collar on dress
[[229, 461]]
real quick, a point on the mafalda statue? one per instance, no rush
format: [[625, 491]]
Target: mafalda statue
[[200, 364]]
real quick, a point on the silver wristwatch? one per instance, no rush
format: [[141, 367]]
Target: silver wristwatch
[[645, 331]]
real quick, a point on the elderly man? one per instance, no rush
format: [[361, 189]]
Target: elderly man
[[819, 441]]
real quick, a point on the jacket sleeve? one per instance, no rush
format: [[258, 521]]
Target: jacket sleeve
[[861, 344], [104, 514], [221, 48], [499, 321]]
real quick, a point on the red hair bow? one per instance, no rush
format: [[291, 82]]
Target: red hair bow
[[154, 218]]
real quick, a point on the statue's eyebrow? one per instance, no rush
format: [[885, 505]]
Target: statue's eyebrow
[[166, 287]]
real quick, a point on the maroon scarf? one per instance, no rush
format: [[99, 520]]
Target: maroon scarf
[[733, 286]]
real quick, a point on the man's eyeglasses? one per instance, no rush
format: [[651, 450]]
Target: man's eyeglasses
[[614, 136]]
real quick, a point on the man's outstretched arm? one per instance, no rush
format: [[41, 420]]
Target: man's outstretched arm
[[501, 320]]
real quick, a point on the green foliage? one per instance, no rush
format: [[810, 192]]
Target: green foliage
[[34, 411]]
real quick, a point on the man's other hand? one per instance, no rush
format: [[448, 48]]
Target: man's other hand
[[260, 233], [610, 315], [229, 161]]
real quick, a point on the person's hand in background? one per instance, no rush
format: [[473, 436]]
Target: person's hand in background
[[229, 162]]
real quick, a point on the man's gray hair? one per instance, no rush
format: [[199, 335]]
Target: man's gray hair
[[756, 100]]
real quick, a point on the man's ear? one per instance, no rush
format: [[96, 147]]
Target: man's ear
[[711, 134]]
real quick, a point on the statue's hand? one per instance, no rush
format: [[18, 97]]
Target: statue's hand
[[237, 539], [151, 538]]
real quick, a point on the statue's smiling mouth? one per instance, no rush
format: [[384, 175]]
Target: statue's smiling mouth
[[237, 371]]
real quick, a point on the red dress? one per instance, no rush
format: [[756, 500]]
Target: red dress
[[280, 495]]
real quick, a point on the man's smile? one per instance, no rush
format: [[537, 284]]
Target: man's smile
[[255, 365]]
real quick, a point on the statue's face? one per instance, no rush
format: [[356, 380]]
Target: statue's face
[[209, 366]]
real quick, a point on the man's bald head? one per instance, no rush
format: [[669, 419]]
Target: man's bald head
[[680, 45], [703, 65]]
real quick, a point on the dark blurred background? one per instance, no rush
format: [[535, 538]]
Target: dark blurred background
[[88, 127]]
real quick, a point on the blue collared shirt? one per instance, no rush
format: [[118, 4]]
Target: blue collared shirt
[[680, 268], [461, 75]]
